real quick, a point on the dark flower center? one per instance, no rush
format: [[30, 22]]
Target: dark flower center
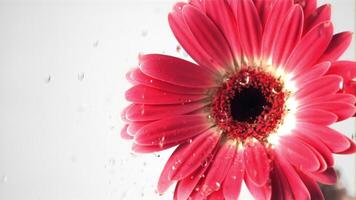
[[249, 104]]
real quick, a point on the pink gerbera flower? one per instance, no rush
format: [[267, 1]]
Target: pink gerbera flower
[[255, 107]]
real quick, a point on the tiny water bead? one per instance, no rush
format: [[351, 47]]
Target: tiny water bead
[[250, 103]]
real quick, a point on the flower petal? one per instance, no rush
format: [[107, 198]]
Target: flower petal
[[143, 79], [321, 14], [176, 71], [315, 72], [232, 183], [342, 110], [334, 140], [175, 128], [308, 6], [346, 69], [208, 36], [138, 148], [316, 88], [164, 182], [257, 163], [258, 192], [124, 134], [221, 14], [186, 186], [281, 189], [316, 116], [144, 112], [141, 94], [338, 97], [251, 35], [219, 168], [327, 177], [338, 45], [186, 38], [218, 195], [288, 36], [314, 142], [198, 153], [310, 48], [273, 25], [313, 187], [298, 188], [298, 153], [264, 9]]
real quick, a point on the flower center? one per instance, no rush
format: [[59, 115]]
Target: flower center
[[251, 103], [247, 105]]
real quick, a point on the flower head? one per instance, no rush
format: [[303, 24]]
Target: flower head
[[255, 107]]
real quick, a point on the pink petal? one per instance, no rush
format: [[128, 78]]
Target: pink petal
[[273, 25], [338, 45], [327, 177], [232, 183], [323, 86], [186, 186], [351, 149], [208, 36], [334, 140], [298, 188], [315, 116], [315, 72], [219, 168], [288, 36], [341, 110], [164, 182], [143, 79], [218, 195], [128, 77], [310, 48], [141, 94], [251, 35], [134, 127], [321, 14], [281, 189], [154, 148], [199, 153], [314, 142], [124, 134], [264, 9], [313, 187], [222, 15], [200, 4], [172, 129], [143, 112], [338, 97], [257, 163], [308, 6], [298, 153], [346, 69], [176, 71], [258, 192], [188, 41]]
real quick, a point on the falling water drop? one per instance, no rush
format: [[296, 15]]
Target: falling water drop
[[48, 79], [81, 76]]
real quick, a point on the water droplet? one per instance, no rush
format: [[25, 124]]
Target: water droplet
[[81, 76], [234, 177], [276, 90], [4, 179], [190, 141], [48, 79], [144, 33], [161, 142], [178, 48], [245, 80], [142, 96], [217, 184], [96, 44], [173, 167]]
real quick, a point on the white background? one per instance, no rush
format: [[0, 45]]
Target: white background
[[62, 66]]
